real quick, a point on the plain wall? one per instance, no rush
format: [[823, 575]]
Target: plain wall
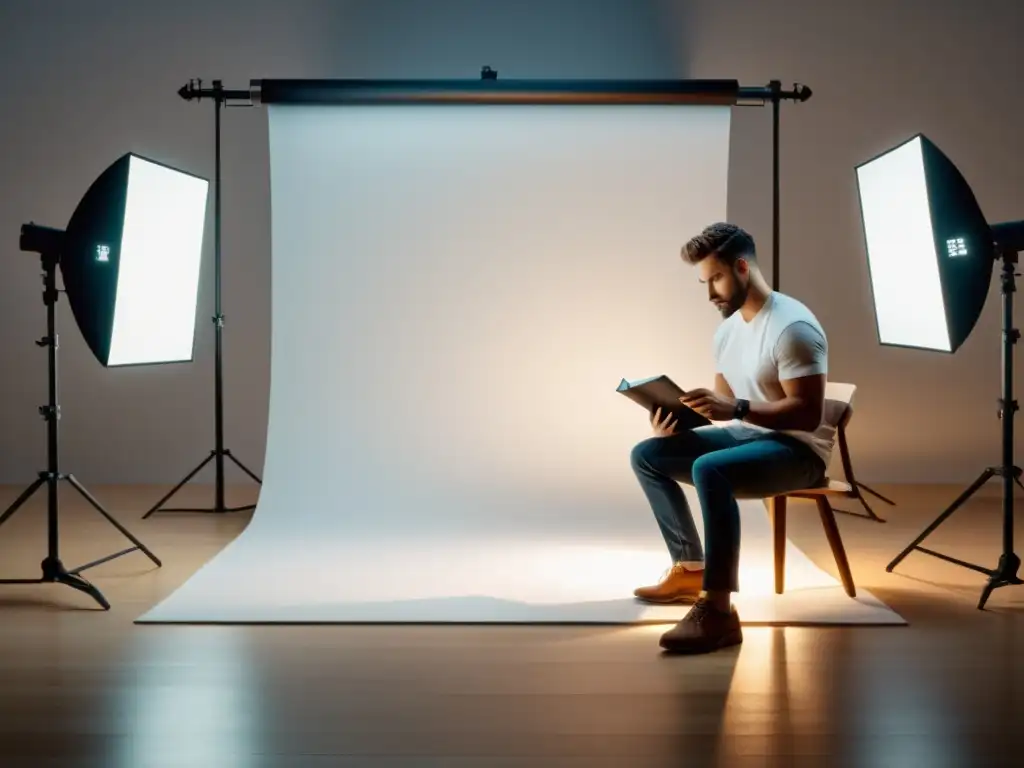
[[88, 81]]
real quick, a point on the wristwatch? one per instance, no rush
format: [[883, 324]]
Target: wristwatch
[[742, 409]]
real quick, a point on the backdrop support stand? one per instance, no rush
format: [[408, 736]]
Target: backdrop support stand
[[220, 98], [1005, 572], [53, 569], [776, 95], [486, 89]]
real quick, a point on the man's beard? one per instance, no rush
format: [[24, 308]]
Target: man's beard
[[734, 302]]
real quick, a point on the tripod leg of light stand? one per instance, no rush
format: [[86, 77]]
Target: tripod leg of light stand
[[20, 501], [55, 572], [219, 505], [53, 569], [983, 478], [127, 534], [244, 468], [1005, 573], [180, 485]]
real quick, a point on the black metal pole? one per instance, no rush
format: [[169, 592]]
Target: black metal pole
[[1009, 563], [51, 411], [218, 316], [491, 90], [221, 99], [776, 88]]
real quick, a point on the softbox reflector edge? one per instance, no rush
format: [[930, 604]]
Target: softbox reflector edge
[[90, 276], [131, 262], [963, 242], [929, 247]]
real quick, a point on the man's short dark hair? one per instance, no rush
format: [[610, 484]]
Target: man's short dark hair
[[726, 241]]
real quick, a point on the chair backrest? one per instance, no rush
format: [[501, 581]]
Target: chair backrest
[[839, 403], [838, 410]]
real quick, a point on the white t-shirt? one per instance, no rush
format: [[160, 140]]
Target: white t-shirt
[[784, 340]]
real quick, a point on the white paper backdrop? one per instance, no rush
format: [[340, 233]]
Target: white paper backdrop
[[457, 291]]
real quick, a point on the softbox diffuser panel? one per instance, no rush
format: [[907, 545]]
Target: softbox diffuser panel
[[456, 293], [160, 259], [132, 261], [928, 245]]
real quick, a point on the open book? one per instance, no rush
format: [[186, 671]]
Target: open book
[[662, 392]]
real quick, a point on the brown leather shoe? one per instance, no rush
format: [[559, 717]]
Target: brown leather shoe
[[703, 630], [679, 585]]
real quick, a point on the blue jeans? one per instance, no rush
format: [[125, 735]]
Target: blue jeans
[[722, 468]]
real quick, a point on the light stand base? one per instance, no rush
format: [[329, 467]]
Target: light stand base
[[54, 571], [1005, 573], [219, 505]]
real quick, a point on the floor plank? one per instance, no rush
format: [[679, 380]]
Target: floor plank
[[83, 687]]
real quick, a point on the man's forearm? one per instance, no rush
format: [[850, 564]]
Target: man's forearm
[[790, 413]]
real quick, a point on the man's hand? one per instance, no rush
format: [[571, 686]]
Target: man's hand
[[662, 428], [710, 404]]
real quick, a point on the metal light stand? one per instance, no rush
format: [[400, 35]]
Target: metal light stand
[[1005, 573], [220, 98], [53, 569]]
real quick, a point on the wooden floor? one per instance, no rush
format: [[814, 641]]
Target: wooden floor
[[82, 687]]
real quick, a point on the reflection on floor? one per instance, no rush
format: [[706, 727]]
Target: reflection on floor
[[89, 688]]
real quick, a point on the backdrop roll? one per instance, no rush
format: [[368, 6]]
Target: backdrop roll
[[456, 293]]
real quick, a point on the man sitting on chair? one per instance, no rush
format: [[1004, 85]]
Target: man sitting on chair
[[771, 357]]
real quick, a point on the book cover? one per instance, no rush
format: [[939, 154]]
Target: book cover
[[661, 392]]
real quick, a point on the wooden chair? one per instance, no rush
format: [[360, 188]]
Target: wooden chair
[[838, 411]]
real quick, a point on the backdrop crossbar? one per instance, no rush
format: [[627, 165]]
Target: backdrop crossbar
[[493, 91]]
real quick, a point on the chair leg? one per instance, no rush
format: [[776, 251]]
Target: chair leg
[[844, 455], [876, 494], [828, 520], [777, 513], [871, 514]]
